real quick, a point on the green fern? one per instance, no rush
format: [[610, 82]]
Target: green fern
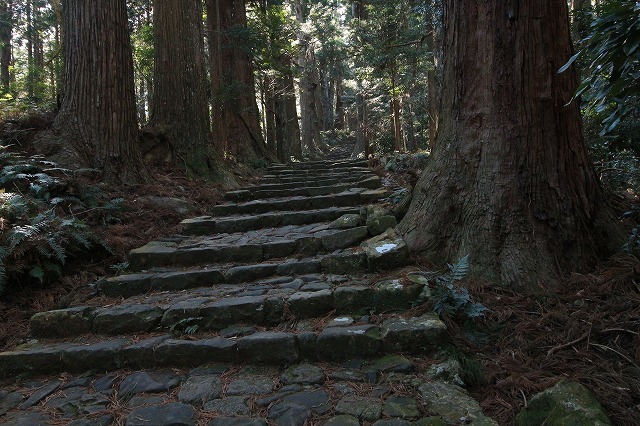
[[39, 227], [459, 270], [450, 300]]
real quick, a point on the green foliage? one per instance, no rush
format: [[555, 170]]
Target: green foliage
[[449, 299], [616, 155], [391, 60], [612, 52], [119, 268], [189, 325], [40, 227]]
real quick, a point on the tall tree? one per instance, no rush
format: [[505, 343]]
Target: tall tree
[[97, 121], [275, 29], [309, 84], [180, 109], [6, 33], [236, 120], [432, 17], [510, 182]]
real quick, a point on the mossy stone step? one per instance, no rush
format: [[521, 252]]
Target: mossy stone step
[[316, 172], [420, 335], [319, 165], [219, 308], [208, 225], [352, 197], [206, 252], [319, 182], [308, 191], [302, 179]]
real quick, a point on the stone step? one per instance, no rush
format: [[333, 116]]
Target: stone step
[[410, 335], [320, 181], [318, 172], [376, 255], [319, 165], [390, 390], [250, 247], [304, 179], [352, 197], [266, 303], [308, 191], [207, 225]]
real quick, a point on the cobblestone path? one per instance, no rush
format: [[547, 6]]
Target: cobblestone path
[[271, 311]]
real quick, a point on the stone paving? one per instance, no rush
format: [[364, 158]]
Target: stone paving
[[270, 311]]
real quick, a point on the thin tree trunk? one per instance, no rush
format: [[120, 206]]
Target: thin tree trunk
[[289, 113], [396, 122], [510, 183], [271, 112], [339, 114]]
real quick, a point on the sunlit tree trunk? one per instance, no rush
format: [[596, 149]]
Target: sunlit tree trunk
[[510, 183], [97, 124]]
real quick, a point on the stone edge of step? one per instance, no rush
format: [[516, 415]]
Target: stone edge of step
[[418, 335], [217, 313]]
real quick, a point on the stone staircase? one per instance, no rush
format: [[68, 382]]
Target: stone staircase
[[269, 311]]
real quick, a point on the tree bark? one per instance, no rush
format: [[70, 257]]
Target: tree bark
[[180, 111], [6, 33], [310, 95], [432, 104], [339, 120], [510, 183], [97, 120], [236, 120], [270, 113], [288, 111]]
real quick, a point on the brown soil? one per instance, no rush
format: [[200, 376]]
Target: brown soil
[[586, 329]]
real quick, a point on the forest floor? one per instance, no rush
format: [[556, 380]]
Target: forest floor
[[586, 328]]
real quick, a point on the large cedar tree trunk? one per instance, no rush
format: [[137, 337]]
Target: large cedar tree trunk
[[236, 120], [180, 110], [510, 183], [97, 120]]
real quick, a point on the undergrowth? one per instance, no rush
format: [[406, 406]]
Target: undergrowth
[[448, 298], [43, 220]]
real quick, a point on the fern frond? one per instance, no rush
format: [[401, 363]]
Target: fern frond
[[19, 234], [460, 270], [58, 250]]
